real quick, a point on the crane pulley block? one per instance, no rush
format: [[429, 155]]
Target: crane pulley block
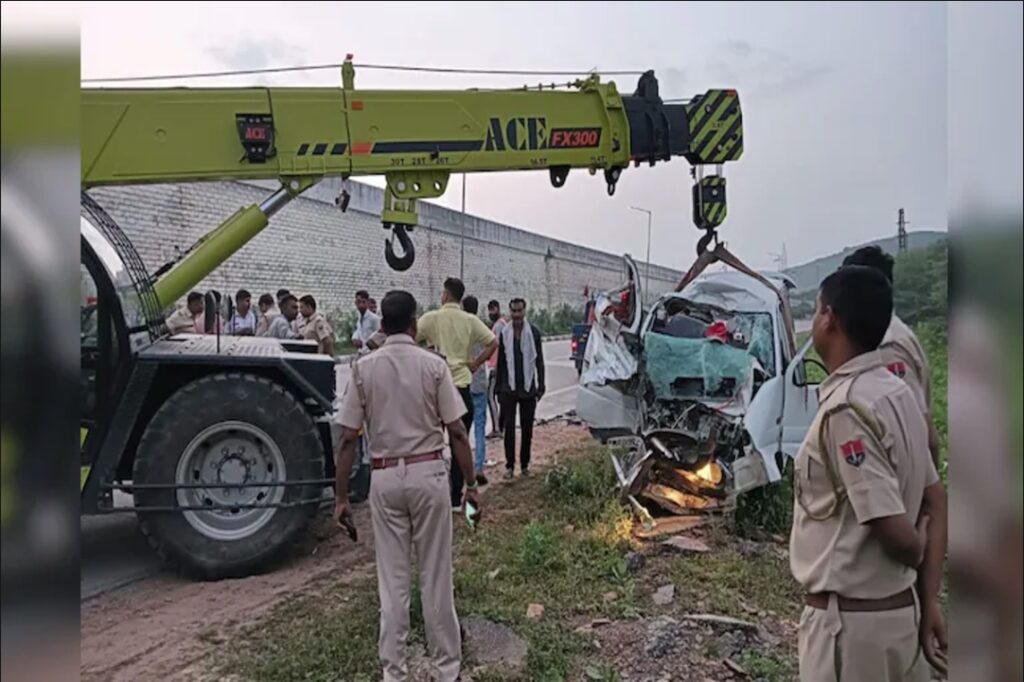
[[709, 207]]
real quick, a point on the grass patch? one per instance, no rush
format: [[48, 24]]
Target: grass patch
[[728, 583], [767, 510], [310, 638], [557, 540], [577, 489], [768, 667], [526, 551]]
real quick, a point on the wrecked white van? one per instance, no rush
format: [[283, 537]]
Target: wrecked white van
[[705, 391]]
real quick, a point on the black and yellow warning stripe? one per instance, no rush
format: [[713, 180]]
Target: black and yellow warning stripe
[[716, 127], [716, 214], [713, 203]]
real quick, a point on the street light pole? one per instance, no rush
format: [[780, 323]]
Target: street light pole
[[462, 246], [647, 276]]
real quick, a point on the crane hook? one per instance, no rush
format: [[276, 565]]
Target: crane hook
[[702, 244], [405, 261]]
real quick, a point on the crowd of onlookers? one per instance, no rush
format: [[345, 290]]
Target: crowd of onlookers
[[498, 365], [283, 316]]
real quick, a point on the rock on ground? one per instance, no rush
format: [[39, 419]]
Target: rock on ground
[[488, 643], [663, 635], [634, 562], [665, 595]]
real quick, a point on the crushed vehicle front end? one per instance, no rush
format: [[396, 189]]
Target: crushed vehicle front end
[[681, 397]]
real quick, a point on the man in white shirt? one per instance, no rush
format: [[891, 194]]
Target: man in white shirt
[[281, 326], [367, 324], [268, 311], [243, 321]]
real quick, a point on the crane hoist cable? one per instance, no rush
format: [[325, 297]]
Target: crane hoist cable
[[372, 67]]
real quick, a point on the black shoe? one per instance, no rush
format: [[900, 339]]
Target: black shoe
[[524, 472], [508, 474]]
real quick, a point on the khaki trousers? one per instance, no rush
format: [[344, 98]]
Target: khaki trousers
[[410, 507], [873, 646]]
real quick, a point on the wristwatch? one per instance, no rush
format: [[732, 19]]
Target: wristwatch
[[472, 485]]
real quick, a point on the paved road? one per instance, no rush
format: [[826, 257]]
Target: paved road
[[114, 552]]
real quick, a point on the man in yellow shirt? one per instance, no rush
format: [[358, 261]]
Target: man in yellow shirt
[[453, 333]]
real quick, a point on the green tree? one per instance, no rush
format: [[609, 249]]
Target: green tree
[[921, 287]]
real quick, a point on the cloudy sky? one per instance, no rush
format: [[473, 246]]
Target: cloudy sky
[[845, 105]]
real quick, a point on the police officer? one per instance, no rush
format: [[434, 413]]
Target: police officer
[[315, 326], [406, 397], [900, 349], [868, 518]]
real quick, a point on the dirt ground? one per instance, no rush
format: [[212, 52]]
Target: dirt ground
[[158, 628]]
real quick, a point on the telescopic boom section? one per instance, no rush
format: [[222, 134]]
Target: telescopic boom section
[[416, 139]]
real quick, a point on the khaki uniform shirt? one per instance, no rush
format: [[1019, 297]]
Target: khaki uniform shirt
[[316, 328], [181, 321], [904, 357], [454, 332], [875, 456], [409, 395]]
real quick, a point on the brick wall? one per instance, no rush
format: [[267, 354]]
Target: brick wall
[[312, 247]]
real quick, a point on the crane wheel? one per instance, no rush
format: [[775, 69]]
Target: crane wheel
[[227, 428]]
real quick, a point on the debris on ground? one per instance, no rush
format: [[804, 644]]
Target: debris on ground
[[665, 594], [721, 621], [678, 649], [592, 625], [534, 611], [686, 544], [493, 644], [662, 636], [670, 525], [735, 667]]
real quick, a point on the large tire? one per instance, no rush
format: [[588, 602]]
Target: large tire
[[231, 428]]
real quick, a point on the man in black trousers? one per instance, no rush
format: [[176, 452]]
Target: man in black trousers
[[520, 383]]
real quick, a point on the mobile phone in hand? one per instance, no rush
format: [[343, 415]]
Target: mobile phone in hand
[[350, 528], [471, 514]]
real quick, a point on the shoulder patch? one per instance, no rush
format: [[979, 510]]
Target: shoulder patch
[[898, 368], [853, 452]]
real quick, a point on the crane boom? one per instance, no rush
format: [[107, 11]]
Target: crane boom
[[416, 139]]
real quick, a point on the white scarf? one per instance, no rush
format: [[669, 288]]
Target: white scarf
[[529, 354]]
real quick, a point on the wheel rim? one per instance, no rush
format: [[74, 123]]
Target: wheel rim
[[230, 452]]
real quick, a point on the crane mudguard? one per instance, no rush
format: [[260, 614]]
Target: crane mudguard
[[416, 139]]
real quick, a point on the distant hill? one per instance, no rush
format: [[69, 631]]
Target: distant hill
[[809, 275]]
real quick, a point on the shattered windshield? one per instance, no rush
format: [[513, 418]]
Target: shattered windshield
[[695, 350]]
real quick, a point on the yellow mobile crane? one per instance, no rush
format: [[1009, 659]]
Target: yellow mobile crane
[[226, 448]]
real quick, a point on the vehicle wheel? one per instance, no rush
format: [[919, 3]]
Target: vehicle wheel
[[227, 428]]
